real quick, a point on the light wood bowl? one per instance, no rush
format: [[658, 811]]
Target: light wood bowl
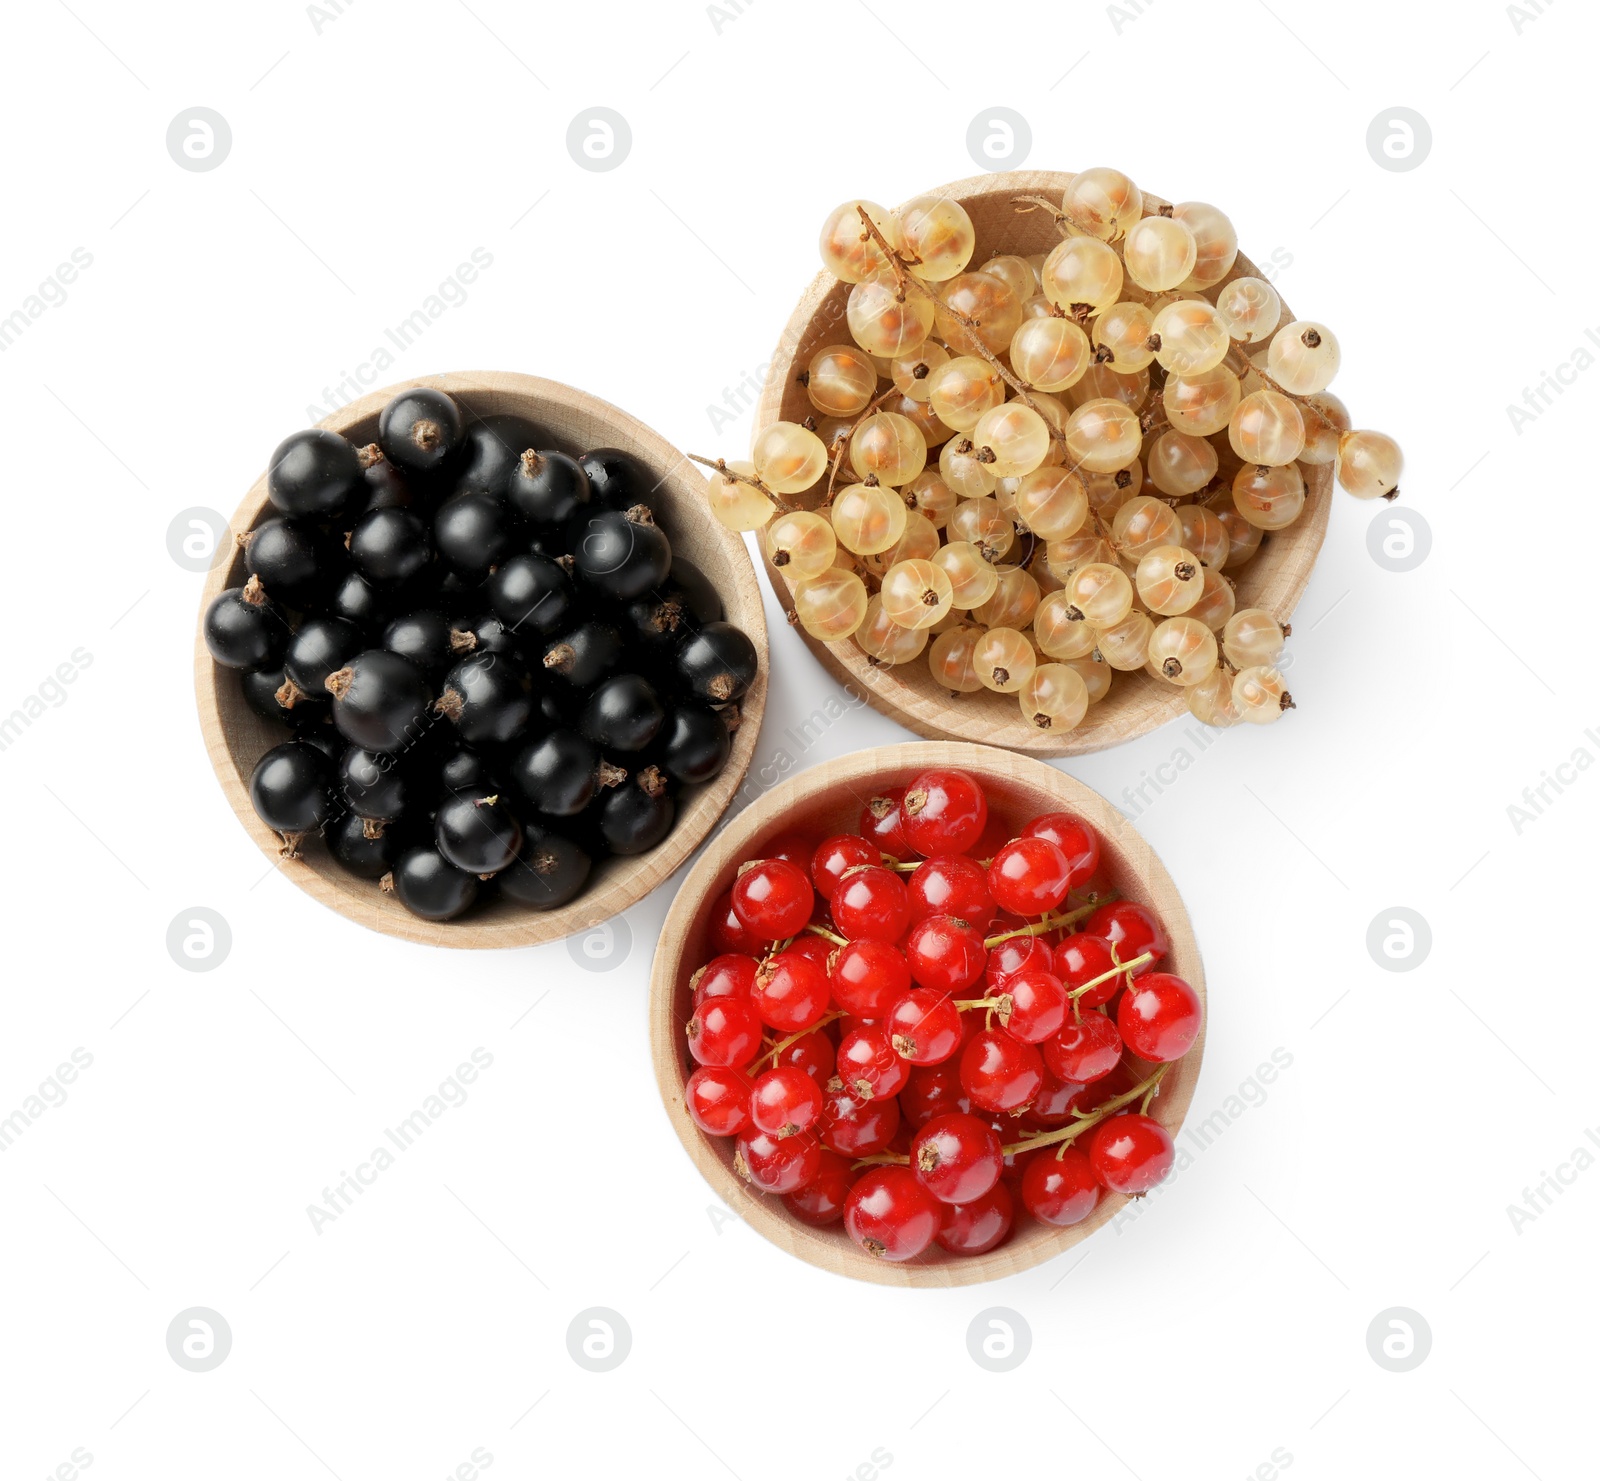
[[828, 799], [236, 737], [1275, 578]]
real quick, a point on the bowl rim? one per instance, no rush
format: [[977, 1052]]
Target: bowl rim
[[830, 1249], [941, 719], [360, 900]]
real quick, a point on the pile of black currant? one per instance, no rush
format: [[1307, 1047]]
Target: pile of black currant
[[494, 669]]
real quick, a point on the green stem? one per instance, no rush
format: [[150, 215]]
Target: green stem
[[1116, 971], [795, 1038], [1145, 1088], [827, 935], [882, 1159], [1050, 922]]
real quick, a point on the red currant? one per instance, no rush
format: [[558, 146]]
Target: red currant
[[1130, 1153], [815, 947], [950, 885], [870, 904], [881, 823], [945, 954], [724, 1031], [1000, 1073], [1053, 1106], [718, 1098], [856, 1128], [868, 1065], [1085, 1050], [1075, 838], [1016, 955], [944, 812], [773, 898], [868, 978], [1060, 1189], [725, 932], [777, 1164], [1029, 876], [924, 1026], [1133, 929], [821, 1201], [793, 848], [784, 1101], [835, 857], [724, 977], [1038, 1005], [791, 992], [891, 1215], [932, 1090], [1081, 959], [1159, 1017], [812, 1053], [957, 1158], [976, 1228]]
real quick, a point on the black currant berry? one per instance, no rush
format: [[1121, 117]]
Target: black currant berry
[[547, 488], [314, 474], [657, 622], [586, 655], [420, 429], [476, 831], [357, 600], [617, 479], [486, 634], [472, 533], [383, 486], [322, 645], [244, 628], [321, 737], [490, 449], [548, 871], [695, 743], [291, 792], [690, 586], [265, 692], [297, 563], [429, 885], [623, 714], [373, 784], [621, 555], [390, 547], [561, 774], [364, 848], [637, 815], [487, 698], [532, 595], [717, 664], [380, 701], [464, 770], [429, 639]]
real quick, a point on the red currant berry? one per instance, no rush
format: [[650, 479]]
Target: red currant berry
[[976, 1228], [724, 977], [784, 1101], [724, 1031], [1132, 929], [1085, 1050], [1029, 876], [812, 1053], [718, 1098], [835, 857], [945, 954], [891, 1215], [868, 1065], [773, 898], [1053, 1106], [725, 932], [1159, 1017], [870, 904], [881, 824], [1075, 838], [1000, 1073], [777, 1164], [868, 978], [791, 992], [944, 811], [950, 885], [1081, 959], [932, 1090], [1060, 1189], [957, 1158], [1016, 955], [793, 848], [815, 947], [924, 1026], [821, 1201], [1130, 1153], [1038, 1005], [856, 1128]]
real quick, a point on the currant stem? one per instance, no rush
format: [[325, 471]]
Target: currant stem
[[842, 442], [1116, 971], [1145, 1089], [795, 1038], [882, 1159], [719, 465], [1050, 922], [1303, 402], [826, 935]]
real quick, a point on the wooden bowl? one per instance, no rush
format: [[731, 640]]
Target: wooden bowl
[[828, 799], [1275, 578], [236, 737]]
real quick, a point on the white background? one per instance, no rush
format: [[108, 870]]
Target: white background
[[372, 152]]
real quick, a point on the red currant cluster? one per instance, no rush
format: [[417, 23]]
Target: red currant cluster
[[910, 1026]]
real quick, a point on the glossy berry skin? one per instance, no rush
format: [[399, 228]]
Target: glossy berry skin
[[380, 700], [358, 853], [867, 978], [944, 954], [1075, 838], [294, 560], [1130, 1153], [477, 831], [717, 1098], [724, 1031], [717, 664], [853, 1127], [429, 885], [1159, 1017], [834, 857], [623, 714], [793, 848], [774, 899], [419, 429], [1053, 1106], [1060, 1190], [1133, 929], [1038, 1006], [1013, 956], [322, 646], [950, 884], [548, 871], [944, 812], [390, 547], [933, 1090], [821, 1201], [373, 784], [871, 905], [619, 555], [357, 600], [924, 1026], [547, 488], [868, 1064], [957, 1158], [777, 1164], [819, 951], [490, 447], [616, 479], [533, 596], [731, 975], [427, 638], [486, 698], [1000, 1073], [636, 816], [473, 534], [1082, 958], [1029, 877], [976, 1228], [559, 774], [313, 474], [813, 1053], [790, 993], [785, 1101], [291, 788], [882, 823], [725, 932], [244, 629], [891, 1215], [695, 744], [1084, 1051]]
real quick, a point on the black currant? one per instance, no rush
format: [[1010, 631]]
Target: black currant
[[429, 885], [357, 600], [380, 701], [548, 870], [472, 533], [265, 692], [322, 645], [291, 792], [584, 656], [476, 831], [297, 563], [390, 547], [420, 429], [313, 474], [547, 488], [373, 784], [695, 743], [429, 639], [621, 555], [617, 479], [464, 770], [623, 714], [532, 595], [321, 737], [637, 815], [487, 698], [486, 634], [366, 849], [695, 590], [657, 622], [384, 486], [717, 664], [244, 628], [561, 774], [490, 448]]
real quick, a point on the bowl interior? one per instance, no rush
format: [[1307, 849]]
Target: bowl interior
[[574, 421], [1275, 578], [828, 799]]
